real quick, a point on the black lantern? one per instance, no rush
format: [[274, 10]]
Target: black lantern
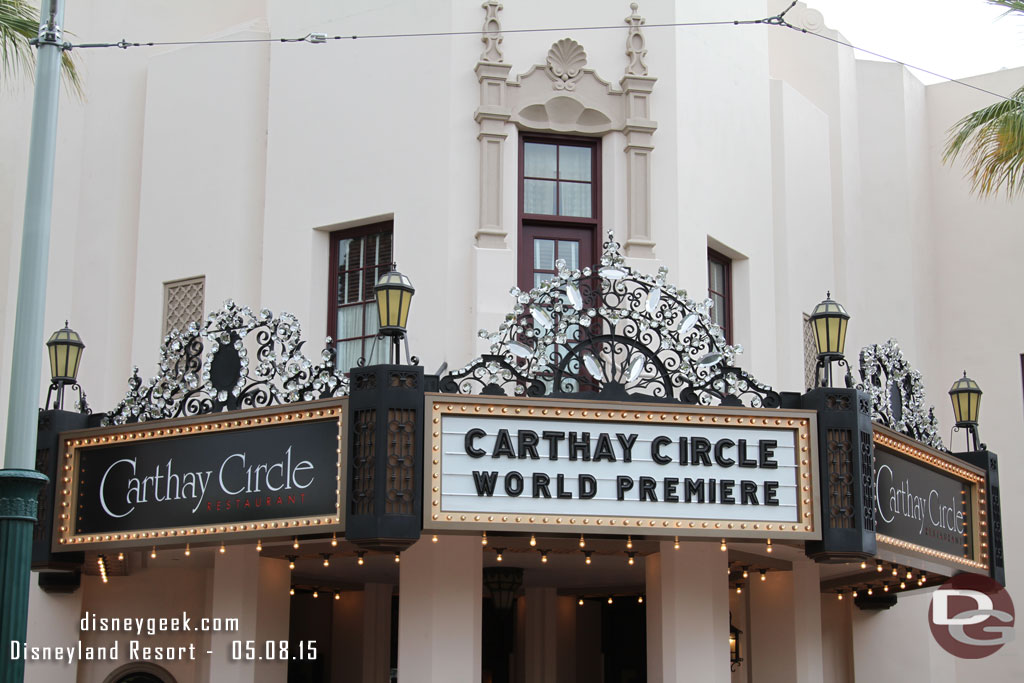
[[966, 397], [394, 296], [65, 350], [829, 320], [503, 583], [734, 646]]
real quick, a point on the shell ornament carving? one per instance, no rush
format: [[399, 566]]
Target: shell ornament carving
[[566, 60]]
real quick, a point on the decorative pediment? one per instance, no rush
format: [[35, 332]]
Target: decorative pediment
[[226, 377], [897, 393], [609, 332]]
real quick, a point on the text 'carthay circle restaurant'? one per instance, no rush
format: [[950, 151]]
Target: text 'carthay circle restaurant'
[[595, 486]]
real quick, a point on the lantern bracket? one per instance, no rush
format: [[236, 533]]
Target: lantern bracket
[[823, 370], [58, 386]]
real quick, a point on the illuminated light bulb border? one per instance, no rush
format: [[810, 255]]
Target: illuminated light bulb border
[[904, 545], [928, 457]]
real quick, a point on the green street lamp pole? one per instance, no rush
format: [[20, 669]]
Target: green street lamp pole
[[19, 482]]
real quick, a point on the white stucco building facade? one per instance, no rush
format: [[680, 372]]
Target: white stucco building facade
[[802, 168]]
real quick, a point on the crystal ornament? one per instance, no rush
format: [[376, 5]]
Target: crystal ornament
[[519, 349], [653, 299], [709, 359], [593, 367], [541, 317], [575, 298], [635, 368], [612, 273], [688, 323]]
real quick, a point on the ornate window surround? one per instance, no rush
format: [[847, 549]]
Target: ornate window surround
[[563, 96]]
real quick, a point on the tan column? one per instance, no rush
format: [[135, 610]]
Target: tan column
[[439, 611], [541, 635], [785, 625], [254, 590], [807, 599], [687, 614], [377, 632]]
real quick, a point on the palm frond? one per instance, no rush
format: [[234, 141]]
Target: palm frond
[[19, 24], [992, 142], [1011, 6]]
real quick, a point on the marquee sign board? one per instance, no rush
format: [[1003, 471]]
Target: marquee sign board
[[608, 468], [927, 502], [254, 473]]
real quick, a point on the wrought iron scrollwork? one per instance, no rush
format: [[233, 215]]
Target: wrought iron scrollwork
[[224, 378], [609, 332], [730, 385], [489, 375], [897, 393]]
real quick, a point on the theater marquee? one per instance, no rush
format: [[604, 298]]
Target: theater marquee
[[929, 503], [255, 473], [587, 467]]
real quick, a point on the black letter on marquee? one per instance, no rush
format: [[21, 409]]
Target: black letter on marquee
[[582, 446], [604, 448], [503, 445], [670, 490], [540, 485], [701, 450], [765, 456], [516, 488], [727, 495], [553, 438], [485, 482], [471, 436], [627, 446], [748, 492], [771, 493], [528, 440], [622, 484], [691, 488], [561, 492], [656, 444], [647, 485], [721, 445], [744, 461], [588, 486]]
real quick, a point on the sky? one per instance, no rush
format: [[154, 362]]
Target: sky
[[955, 38]]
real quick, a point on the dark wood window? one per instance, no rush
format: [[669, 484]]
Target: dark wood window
[[559, 204], [359, 257], [720, 291]]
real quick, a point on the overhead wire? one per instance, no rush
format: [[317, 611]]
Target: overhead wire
[[320, 38]]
